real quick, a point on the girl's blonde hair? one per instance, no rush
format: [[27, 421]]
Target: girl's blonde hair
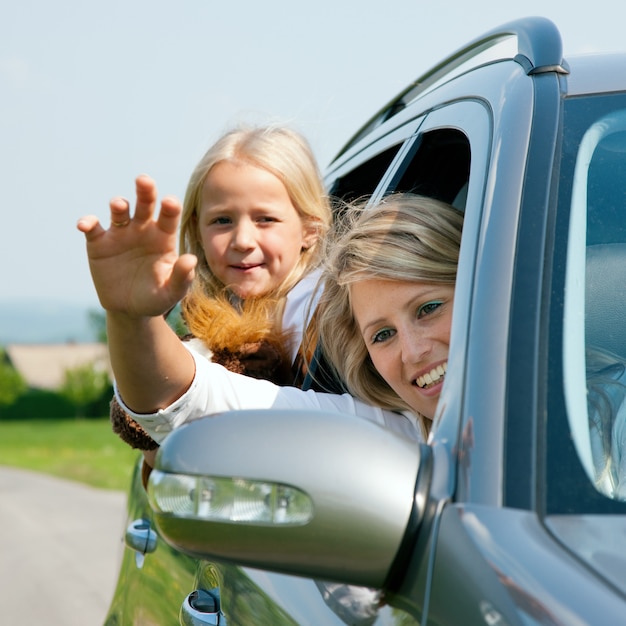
[[404, 238], [284, 153], [287, 155]]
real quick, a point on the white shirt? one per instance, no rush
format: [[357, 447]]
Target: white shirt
[[215, 389], [297, 313]]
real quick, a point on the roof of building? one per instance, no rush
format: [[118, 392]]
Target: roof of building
[[43, 366]]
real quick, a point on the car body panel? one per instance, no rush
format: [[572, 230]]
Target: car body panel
[[502, 563], [150, 587], [584, 77]]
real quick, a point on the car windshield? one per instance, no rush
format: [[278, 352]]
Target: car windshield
[[592, 342]]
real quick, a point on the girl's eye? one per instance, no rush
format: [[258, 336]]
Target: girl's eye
[[220, 221], [266, 219], [383, 335], [428, 308]]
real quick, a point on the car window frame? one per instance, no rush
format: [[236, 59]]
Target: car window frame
[[473, 118]]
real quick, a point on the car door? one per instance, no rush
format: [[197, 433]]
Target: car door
[[153, 578]]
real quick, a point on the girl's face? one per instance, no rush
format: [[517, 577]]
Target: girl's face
[[251, 233], [406, 328]]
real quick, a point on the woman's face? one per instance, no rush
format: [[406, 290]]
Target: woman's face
[[406, 328], [251, 233]]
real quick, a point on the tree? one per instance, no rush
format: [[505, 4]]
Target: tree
[[98, 322], [12, 385], [83, 385]]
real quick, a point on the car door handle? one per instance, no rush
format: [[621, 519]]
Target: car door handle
[[202, 607], [141, 538]]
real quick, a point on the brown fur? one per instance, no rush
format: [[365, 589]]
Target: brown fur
[[223, 327]]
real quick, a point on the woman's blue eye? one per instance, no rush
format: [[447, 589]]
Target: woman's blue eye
[[383, 335], [221, 220], [428, 308]]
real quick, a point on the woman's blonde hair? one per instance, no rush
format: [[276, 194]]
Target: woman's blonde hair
[[287, 155], [404, 238]]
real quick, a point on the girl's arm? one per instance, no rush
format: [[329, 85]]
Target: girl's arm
[[138, 277], [151, 366]]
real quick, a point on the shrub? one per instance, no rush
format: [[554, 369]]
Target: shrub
[[83, 386], [12, 385]]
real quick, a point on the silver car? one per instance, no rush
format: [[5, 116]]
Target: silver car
[[514, 511]]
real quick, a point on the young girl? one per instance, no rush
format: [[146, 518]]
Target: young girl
[[254, 213], [384, 319]]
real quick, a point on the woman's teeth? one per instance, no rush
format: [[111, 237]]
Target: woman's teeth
[[433, 377]]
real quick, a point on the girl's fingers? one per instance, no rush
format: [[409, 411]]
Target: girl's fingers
[[90, 226], [120, 212], [167, 220], [146, 198], [182, 274], [169, 214]]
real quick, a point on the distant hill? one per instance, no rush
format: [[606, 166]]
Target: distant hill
[[32, 321]]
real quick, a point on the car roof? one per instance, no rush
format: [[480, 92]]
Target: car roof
[[534, 43], [585, 76]]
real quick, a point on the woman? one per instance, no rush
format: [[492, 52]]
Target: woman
[[384, 317]]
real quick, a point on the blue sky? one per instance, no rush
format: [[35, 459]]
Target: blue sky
[[94, 93]]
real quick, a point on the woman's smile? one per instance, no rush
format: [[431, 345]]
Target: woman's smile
[[406, 329], [432, 378]]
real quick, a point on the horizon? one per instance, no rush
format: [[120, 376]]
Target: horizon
[[32, 320]]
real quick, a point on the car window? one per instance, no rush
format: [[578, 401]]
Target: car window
[[439, 167], [594, 333], [449, 160], [361, 182]]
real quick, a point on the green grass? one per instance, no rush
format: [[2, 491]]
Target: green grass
[[83, 450]]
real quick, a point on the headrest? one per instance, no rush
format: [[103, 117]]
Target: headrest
[[605, 297]]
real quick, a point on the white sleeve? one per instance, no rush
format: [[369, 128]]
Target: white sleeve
[[215, 390], [301, 301]]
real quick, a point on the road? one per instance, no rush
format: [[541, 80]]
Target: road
[[60, 548]]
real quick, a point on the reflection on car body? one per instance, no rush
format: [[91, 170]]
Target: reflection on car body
[[516, 501]]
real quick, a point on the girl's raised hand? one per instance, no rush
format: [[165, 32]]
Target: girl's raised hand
[[134, 264]]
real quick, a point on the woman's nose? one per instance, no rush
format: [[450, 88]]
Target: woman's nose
[[414, 346]]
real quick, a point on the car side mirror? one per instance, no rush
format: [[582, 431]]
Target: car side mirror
[[323, 495]]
